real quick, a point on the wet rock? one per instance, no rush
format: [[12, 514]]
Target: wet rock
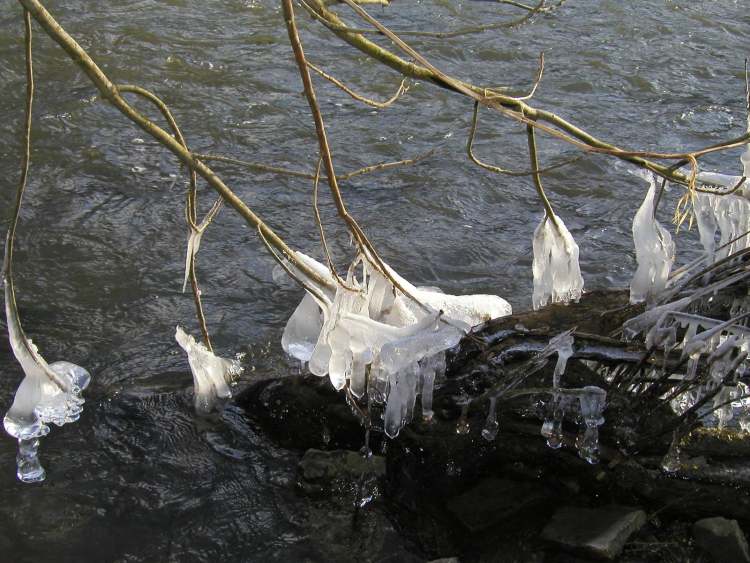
[[600, 533], [302, 412], [341, 471], [722, 539], [494, 500]]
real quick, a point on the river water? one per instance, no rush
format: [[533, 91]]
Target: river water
[[101, 241]]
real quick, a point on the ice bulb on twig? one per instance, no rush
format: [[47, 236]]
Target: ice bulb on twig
[[557, 275], [212, 375]]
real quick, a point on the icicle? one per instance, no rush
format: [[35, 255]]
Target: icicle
[[705, 215], [431, 367], [212, 375], [592, 406], [557, 275], [552, 427], [654, 249], [491, 427], [48, 393], [563, 344]]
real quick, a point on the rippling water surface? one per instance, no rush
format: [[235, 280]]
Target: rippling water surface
[[101, 240]]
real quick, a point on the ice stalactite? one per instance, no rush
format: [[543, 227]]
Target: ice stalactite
[[562, 345], [552, 425], [705, 216], [654, 249], [212, 375], [48, 393], [431, 368], [368, 334], [728, 214], [592, 401], [557, 274]]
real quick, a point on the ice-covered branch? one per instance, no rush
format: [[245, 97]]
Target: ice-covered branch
[[48, 393]]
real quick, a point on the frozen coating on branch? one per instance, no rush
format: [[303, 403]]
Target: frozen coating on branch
[[370, 324], [557, 275], [48, 393], [654, 249], [212, 375]]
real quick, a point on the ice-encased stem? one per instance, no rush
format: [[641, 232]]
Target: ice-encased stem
[[47, 393], [654, 249], [212, 375]]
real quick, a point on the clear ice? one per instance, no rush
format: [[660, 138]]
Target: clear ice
[[370, 323], [193, 245], [557, 275], [592, 401], [491, 427], [654, 249], [212, 375], [48, 393]]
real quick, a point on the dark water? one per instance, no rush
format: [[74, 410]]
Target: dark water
[[100, 250]]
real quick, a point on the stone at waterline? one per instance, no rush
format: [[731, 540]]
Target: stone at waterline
[[721, 539], [494, 500], [594, 532]]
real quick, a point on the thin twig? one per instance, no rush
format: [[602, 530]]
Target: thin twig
[[497, 169], [321, 230], [531, 137], [402, 89], [299, 174], [191, 206]]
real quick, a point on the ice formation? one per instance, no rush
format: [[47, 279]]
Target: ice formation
[[373, 337], [654, 249], [193, 245], [49, 393], [557, 275], [491, 427], [592, 401], [728, 215], [212, 375]]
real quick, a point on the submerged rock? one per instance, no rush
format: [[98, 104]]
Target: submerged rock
[[337, 470], [722, 539], [599, 532]]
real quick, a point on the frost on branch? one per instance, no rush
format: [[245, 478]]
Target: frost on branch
[[654, 249], [375, 338], [49, 393], [557, 275], [212, 375]]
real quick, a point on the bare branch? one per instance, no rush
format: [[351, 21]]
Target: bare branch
[[497, 169], [109, 91], [402, 89], [299, 174]]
